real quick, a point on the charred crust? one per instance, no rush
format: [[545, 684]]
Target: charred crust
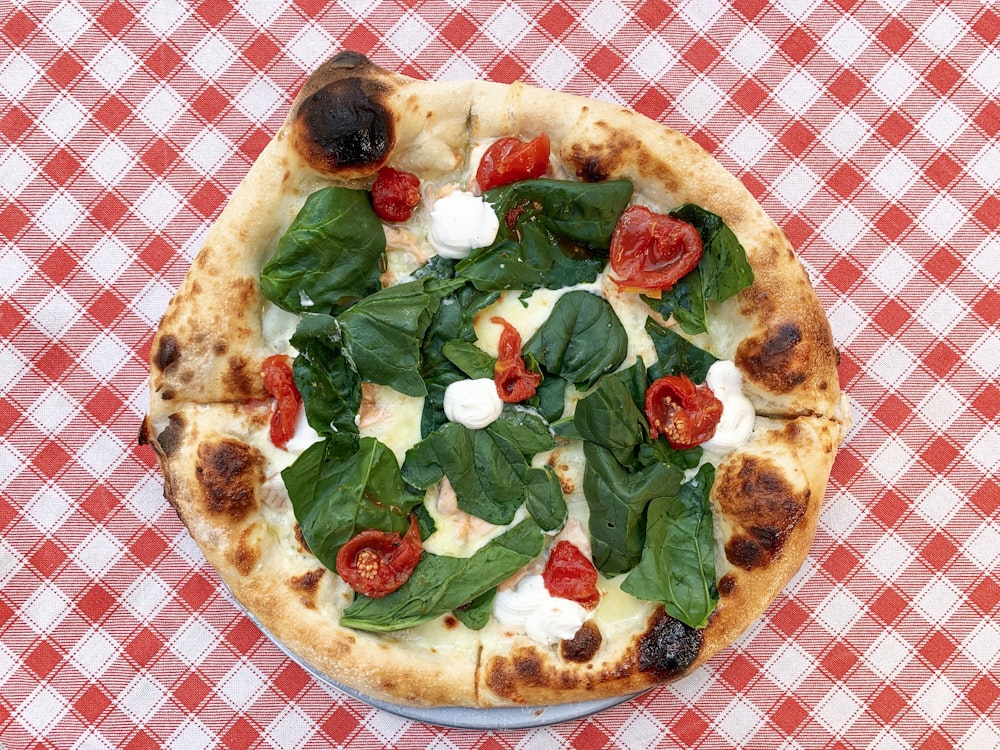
[[346, 126], [668, 647], [229, 473], [727, 585], [239, 378], [168, 351], [584, 645], [772, 359], [301, 539], [169, 440], [450, 622], [247, 551], [762, 502], [306, 585], [144, 437]]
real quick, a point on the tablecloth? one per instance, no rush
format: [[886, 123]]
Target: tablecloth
[[867, 130]]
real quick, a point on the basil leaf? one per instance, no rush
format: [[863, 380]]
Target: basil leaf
[[442, 584], [722, 272], [678, 563], [560, 235], [382, 333], [608, 416], [330, 388], [581, 339], [343, 485], [618, 498], [469, 358], [544, 498], [676, 355], [329, 257]]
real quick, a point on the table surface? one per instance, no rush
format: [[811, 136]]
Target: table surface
[[868, 131]]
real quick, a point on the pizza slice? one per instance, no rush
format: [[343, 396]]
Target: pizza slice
[[485, 395]]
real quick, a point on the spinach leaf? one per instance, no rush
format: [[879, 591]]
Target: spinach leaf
[[544, 498], [722, 272], [330, 388], [469, 358], [678, 563], [383, 333], [608, 416], [485, 469], [453, 321], [476, 613], [618, 498], [329, 257], [343, 485], [553, 233], [661, 450], [580, 340], [676, 355], [525, 429], [550, 397], [441, 584]]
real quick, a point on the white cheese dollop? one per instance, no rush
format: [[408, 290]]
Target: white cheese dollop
[[461, 222], [738, 416], [472, 403], [304, 435], [531, 609]]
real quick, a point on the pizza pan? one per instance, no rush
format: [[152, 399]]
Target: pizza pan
[[459, 717]]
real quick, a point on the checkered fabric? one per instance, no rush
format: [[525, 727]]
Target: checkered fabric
[[867, 129]]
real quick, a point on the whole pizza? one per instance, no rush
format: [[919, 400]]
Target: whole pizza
[[486, 395]]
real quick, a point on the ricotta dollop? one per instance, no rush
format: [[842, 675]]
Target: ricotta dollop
[[461, 222], [472, 403], [738, 416], [531, 609]]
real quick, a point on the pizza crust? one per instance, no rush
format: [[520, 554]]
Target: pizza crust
[[207, 420]]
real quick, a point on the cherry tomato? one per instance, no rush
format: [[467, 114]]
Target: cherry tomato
[[395, 194], [376, 563], [515, 382], [280, 383], [570, 574], [511, 159], [684, 413], [652, 251]]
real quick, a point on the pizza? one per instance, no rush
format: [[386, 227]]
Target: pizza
[[485, 395]]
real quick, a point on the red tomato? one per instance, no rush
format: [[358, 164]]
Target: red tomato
[[395, 194], [652, 251], [683, 412], [280, 383], [571, 575], [511, 159], [515, 382], [376, 563]]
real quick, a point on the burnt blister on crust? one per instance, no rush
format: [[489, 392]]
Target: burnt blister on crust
[[764, 505], [668, 647], [583, 646], [229, 473], [774, 359], [345, 126]]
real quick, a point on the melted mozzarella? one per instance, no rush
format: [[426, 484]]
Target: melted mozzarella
[[461, 222], [531, 609], [472, 403], [738, 415]]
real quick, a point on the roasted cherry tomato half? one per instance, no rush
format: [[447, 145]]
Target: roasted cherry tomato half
[[686, 414], [511, 159], [376, 563], [395, 194], [652, 251], [280, 383], [515, 382], [570, 574]]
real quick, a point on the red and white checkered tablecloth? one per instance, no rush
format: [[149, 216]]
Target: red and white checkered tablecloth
[[867, 129]]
